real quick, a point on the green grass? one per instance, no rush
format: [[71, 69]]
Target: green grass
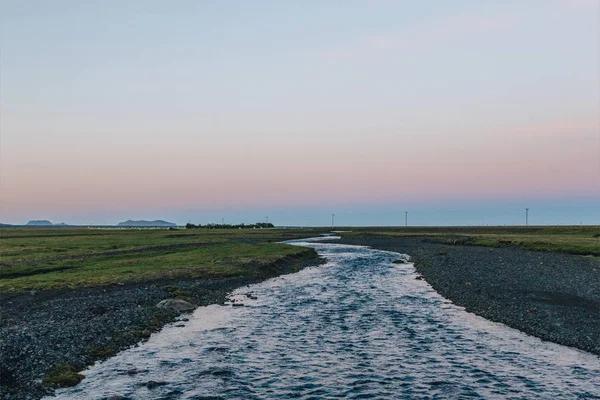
[[30, 244], [62, 376], [46, 258], [72, 258], [568, 239]]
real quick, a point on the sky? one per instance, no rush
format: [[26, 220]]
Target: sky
[[461, 113]]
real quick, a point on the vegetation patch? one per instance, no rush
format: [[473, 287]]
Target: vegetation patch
[[580, 240], [62, 376], [41, 259], [102, 352]]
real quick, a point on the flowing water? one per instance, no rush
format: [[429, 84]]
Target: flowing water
[[358, 327]]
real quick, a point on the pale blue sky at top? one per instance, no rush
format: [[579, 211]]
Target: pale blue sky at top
[[186, 110]]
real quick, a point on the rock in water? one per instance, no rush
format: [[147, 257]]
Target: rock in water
[[153, 384], [176, 305]]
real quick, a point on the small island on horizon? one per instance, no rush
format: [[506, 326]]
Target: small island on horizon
[[126, 224], [44, 222]]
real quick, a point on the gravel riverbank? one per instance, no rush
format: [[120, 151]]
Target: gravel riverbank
[[553, 296], [42, 330]]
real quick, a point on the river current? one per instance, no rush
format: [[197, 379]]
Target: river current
[[357, 327]]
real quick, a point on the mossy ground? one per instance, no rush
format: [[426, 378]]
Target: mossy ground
[[62, 376], [108, 283], [582, 240], [39, 259]]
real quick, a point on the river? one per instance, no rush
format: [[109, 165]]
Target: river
[[358, 327]]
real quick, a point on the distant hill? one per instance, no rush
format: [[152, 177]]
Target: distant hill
[[157, 223], [40, 222]]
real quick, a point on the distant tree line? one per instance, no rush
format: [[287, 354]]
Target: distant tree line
[[230, 226]]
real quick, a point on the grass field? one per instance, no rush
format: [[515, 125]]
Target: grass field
[[46, 258], [566, 239]]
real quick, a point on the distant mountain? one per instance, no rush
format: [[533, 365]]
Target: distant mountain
[[40, 222], [157, 223], [61, 224]]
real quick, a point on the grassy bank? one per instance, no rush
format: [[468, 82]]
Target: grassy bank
[[39, 259], [50, 332], [567, 239]]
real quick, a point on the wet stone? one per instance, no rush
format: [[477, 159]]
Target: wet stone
[[154, 384]]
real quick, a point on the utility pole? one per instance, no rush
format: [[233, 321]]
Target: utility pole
[[406, 218], [527, 217], [267, 220], [223, 221], [332, 219]]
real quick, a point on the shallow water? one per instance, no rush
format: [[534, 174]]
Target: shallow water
[[358, 327]]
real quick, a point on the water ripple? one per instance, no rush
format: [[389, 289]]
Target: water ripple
[[359, 327]]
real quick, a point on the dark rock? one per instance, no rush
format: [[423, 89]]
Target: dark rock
[[153, 384], [145, 333]]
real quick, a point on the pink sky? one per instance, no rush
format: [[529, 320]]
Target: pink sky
[[541, 161], [364, 104]]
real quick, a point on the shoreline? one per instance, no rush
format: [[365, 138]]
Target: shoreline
[[553, 296], [46, 329]]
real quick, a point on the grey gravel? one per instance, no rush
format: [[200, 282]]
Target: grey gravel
[[553, 296], [78, 327]]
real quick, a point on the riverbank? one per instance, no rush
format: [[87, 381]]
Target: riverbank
[[359, 327], [70, 309], [553, 296], [70, 297], [42, 331]]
